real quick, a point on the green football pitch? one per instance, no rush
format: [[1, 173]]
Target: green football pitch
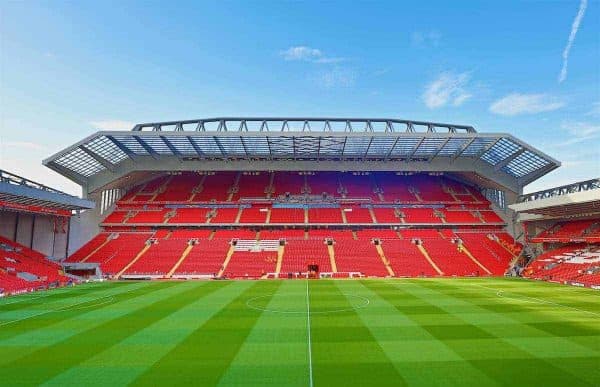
[[422, 332]]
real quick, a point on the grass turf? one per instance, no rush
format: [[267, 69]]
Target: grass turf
[[426, 332]]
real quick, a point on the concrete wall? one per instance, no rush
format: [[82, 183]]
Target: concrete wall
[[35, 231], [85, 226]]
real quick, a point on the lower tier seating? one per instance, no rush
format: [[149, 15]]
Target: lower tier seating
[[575, 263], [24, 269], [359, 256], [353, 251]]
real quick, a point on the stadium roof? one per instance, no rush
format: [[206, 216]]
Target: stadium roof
[[20, 194], [581, 199], [301, 144]]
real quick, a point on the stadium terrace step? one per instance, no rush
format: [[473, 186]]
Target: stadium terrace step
[[134, 260], [184, 255], [428, 258], [226, 261], [331, 252]]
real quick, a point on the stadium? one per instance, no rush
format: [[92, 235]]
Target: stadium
[[300, 251]]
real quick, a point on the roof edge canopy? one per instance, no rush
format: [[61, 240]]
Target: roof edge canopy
[[380, 144]]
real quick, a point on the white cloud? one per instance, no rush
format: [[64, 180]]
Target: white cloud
[[337, 77], [24, 145], [517, 103], [308, 54], [595, 110], [581, 131], [428, 38], [301, 53], [112, 125], [448, 88], [574, 28]]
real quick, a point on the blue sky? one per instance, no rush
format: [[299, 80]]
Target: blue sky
[[68, 69]]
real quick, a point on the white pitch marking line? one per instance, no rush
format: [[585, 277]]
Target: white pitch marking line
[[500, 293], [67, 307], [310, 370]]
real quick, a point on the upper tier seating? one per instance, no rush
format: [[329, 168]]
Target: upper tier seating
[[252, 185], [386, 215], [151, 216], [285, 182], [323, 182], [215, 187], [588, 230], [287, 215], [225, 215], [395, 187], [357, 215], [282, 234], [324, 215], [420, 215], [179, 188], [358, 186], [254, 214], [189, 215]]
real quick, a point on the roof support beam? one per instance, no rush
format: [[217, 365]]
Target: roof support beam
[[105, 163], [389, 153], [220, 146], [531, 176], [463, 148], [507, 160], [76, 177], [172, 148], [439, 149], [244, 146], [195, 146], [487, 148], [368, 147], [122, 147], [146, 147], [415, 149]]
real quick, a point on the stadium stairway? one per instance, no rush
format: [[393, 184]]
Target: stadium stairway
[[134, 260], [428, 258], [331, 252], [226, 261], [184, 255], [385, 261]]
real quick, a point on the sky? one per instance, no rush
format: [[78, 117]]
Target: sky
[[531, 69]]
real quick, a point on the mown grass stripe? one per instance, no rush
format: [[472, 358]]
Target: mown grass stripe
[[546, 373], [204, 356], [344, 350], [36, 367], [274, 353], [40, 320], [409, 345], [53, 298], [537, 343], [28, 300], [183, 312]]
